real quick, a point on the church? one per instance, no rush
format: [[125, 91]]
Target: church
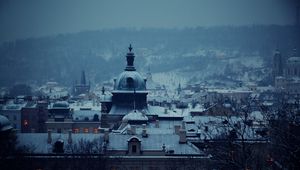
[[129, 97]]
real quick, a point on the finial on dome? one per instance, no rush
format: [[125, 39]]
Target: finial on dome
[[130, 60], [130, 48]]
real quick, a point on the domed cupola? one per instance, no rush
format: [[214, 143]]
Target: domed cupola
[[129, 91], [130, 79], [4, 124]]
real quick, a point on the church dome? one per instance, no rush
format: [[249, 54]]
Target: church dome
[[4, 124], [130, 80]]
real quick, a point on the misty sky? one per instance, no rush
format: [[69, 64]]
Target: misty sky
[[35, 18]]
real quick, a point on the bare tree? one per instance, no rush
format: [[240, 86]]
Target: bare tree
[[237, 140]]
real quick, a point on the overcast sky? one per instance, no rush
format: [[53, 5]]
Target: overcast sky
[[35, 18]]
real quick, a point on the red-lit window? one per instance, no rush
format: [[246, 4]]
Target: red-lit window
[[25, 123], [95, 130], [76, 130], [86, 130]]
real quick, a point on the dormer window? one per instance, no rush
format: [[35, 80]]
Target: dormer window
[[134, 146]]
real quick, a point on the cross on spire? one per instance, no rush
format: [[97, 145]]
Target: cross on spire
[[130, 48]]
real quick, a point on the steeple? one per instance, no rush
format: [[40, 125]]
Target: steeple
[[277, 64], [130, 60], [83, 81]]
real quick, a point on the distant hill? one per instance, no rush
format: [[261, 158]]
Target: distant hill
[[102, 53]]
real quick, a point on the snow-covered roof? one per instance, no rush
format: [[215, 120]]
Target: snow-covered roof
[[86, 104], [135, 115], [85, 115], [153, 142], [294, 60], [38, 142], [164, 112]]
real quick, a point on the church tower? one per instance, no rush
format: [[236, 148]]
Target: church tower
[[129, 89], [277, 64]]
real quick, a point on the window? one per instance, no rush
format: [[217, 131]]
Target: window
[[133, 148], [59, 130], [25, 123], [15, 117], [95, 130], [76, 130], [86, 130]]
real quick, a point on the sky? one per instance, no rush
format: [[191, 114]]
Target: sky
[[35, 18]]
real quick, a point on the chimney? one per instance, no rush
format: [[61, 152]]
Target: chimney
[[157, 123], [106, 135], [177, 128], [182, 136], [49, 140], [70, 136], [144, 132], [166, 111], [183, 124], [163, 147], [133, 129], [115, 82]]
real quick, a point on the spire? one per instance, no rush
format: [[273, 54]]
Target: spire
[[103, 90], [294, 54], [130, 60], [83, 81]]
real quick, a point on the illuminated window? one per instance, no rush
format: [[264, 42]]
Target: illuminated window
[[76, 130], [25, 123], [95, 130], [86, 130]]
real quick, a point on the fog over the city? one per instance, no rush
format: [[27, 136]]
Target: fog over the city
[[54, 40], [35, 18]]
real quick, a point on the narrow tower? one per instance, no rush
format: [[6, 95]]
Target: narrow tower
[[83, 80]]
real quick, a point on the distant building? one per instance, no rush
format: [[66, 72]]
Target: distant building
[[129, 91], [12, 110], [34, 116], [82, 87], [278, 64], [289, 82], [81, 119]]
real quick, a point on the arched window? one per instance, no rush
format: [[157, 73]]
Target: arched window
[[134, 145]]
